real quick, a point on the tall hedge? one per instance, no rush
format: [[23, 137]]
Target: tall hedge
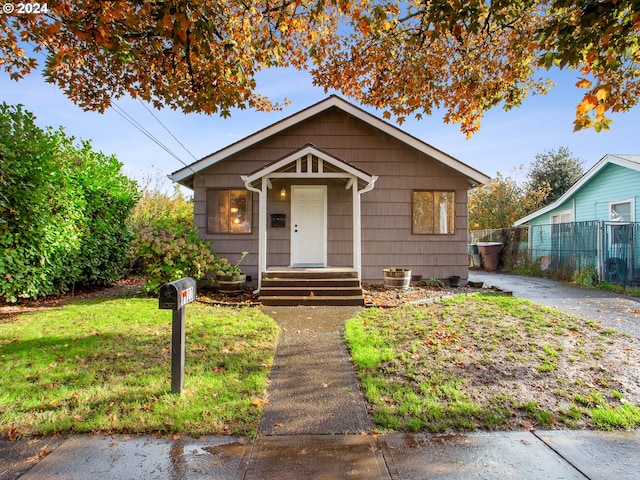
[[63, 210]]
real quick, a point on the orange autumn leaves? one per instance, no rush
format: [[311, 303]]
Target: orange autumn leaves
[[407, 58]]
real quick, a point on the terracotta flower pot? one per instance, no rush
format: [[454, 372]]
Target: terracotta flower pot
[[490, 253]]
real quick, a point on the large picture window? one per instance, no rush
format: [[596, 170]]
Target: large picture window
[[229, 211], [433, 212]]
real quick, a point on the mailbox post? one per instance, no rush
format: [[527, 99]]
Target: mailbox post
[[175, 296]]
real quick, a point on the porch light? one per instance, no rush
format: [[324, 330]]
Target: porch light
[[283, 192]]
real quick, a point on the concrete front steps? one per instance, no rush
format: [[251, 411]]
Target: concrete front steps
[[312, 286]]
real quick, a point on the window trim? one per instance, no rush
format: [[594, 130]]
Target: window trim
[[614, 225], [560, 213], [447, 234], [229, 190], [632, 210]]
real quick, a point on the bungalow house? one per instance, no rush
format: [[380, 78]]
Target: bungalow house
[[594, 223], [334, 188]]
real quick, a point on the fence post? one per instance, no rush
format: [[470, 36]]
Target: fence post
[[600, 251]]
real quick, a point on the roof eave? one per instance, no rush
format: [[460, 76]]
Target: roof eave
[[603, 162]]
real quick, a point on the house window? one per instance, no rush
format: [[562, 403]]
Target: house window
[[562, 217], [562, 223], [229, 211], [433, 212], [621, 214]]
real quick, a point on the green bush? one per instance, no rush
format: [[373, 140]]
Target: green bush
[[166, 251], [166, 246], [155, 205], [63, 210], [587, 276]]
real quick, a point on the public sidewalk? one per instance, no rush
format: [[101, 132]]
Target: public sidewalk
[[514, 455]]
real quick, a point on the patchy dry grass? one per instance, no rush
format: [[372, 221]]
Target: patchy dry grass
[[493, 362]]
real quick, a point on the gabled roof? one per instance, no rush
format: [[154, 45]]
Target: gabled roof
[[185, 175], [628, 161]]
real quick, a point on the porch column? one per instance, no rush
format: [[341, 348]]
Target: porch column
[[262, 233], [357, 222]]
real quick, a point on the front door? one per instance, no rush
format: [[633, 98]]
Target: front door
[[308, 225]]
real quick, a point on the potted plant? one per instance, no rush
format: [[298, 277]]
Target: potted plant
[[230, 278], [396, 278]]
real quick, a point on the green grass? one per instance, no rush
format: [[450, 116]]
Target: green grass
[[489, 362], [105, 365], [607, 418], [624, 289]]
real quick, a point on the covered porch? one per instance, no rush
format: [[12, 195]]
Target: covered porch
[[309, 214]]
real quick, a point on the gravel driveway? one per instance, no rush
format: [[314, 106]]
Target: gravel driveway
[[611, 310]]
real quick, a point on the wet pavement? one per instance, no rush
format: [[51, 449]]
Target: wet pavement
[[514, 455], [315, 425], [313, 386], [609, 309]]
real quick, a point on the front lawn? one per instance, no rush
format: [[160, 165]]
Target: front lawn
[[105, 365], [493, 362]]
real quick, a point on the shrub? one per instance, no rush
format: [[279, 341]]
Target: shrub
[[587, 276], [167, 251], [155, 205], [63, 210], [166, 246]]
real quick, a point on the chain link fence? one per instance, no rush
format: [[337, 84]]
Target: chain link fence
[[611, 250]]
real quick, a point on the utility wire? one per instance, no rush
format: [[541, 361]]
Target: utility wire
[[120, 111], [168, 131]]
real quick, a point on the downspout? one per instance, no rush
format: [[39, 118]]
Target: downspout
[[261, 230], [358, 226]]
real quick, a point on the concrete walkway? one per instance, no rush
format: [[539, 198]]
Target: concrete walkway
[[314, 400], [313, 388]]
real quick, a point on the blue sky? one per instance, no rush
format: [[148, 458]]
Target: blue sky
[[505, 141]]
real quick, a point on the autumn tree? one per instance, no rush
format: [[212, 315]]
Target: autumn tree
[[557, 169], [408, 58], [503, 201]]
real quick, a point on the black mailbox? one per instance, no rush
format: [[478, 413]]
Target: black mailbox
[[278, 220], [176, 294]]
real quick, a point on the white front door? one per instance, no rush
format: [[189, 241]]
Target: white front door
[[308, 225]]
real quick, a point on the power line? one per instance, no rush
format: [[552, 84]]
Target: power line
[[120, 111], [167, 129]]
